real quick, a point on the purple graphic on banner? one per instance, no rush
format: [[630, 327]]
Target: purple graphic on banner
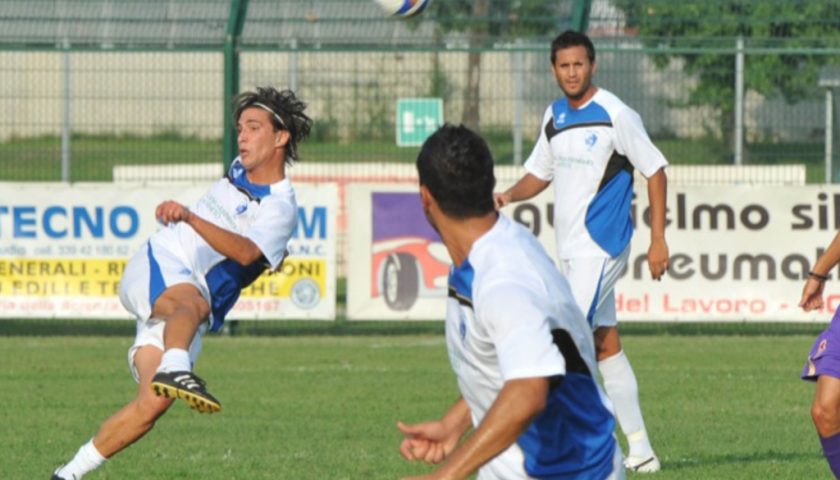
[[400, 215], [409, 261]]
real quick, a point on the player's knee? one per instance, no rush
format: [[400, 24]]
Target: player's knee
[[826, 417], [197, 309]]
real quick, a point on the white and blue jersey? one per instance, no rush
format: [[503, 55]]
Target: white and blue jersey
[[589, 153], [265, 214], [510, 314]]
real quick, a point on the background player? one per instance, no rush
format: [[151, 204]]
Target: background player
[[823, 364], [521, 350], [588, 146], [190, 273]]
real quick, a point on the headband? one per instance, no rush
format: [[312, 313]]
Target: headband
[[269, 110]]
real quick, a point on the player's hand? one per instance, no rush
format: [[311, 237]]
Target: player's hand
[[501, 199], [658, 259], [429, 442], [812, 298], [171, 211]]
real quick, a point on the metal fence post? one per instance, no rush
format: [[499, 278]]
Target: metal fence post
[[739, 101], [236, 22], [66, 120], [829, 131], [518, 61]]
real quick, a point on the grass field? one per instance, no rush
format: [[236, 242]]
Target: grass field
[[324, 406]]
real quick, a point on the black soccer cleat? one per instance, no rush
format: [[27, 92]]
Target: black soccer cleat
[[186, 386]]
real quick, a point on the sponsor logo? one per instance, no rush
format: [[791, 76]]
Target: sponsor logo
[[305, 294]]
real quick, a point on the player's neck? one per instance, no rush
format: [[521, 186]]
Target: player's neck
[[582, 99], [459, 235], [268, 173]]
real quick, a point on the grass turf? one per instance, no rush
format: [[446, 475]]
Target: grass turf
[[317, 407]]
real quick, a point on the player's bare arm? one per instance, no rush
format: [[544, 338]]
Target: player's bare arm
[[658, 251], [814, 285], [527, 187], [432, 442], [232, 245], [514, 409]]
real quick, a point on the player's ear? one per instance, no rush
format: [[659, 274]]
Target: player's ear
[[426, 198], [594, 67], [281, 138]]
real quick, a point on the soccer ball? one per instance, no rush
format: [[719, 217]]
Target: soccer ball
[[403, 8]]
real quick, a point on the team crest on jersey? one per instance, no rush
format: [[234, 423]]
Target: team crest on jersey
[[821, 348], [590, 140]]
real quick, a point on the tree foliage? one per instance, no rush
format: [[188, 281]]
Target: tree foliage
[[487, 22], [803, 27], [504, 19]]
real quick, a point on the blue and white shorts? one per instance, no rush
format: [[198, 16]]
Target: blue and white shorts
[[147, 274], [593, 282]]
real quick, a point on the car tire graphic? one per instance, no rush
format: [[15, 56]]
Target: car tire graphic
[[400, 281]]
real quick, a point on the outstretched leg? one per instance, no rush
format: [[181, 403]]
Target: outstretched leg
[[126, 426]]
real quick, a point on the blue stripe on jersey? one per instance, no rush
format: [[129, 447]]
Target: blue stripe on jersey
[[565, 116], [572, 439], [156, 283], [236, 176], [461, 282], [608, 216], [226, 281]]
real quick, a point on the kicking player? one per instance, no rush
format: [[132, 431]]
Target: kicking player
[[588, 146], [521, 350], [189, 274], [823, 364]]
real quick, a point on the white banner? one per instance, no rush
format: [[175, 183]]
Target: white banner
[[737, 253], [63, 248]]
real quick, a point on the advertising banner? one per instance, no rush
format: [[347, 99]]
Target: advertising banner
[[63, 249], [738, 253]]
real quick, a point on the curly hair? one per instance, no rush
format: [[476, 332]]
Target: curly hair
[[287, 112]]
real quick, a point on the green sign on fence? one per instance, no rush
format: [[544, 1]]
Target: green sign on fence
[[417, 118]]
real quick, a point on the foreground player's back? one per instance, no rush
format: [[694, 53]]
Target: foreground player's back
[[517, 257], [525, 309]]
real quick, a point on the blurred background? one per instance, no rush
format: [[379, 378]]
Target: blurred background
[[87, 85]]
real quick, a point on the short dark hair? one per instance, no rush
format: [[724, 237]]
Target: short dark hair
[[283, 104], [571, 38], [456, 165]]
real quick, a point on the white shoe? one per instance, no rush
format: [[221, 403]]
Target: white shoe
[[642, 465]]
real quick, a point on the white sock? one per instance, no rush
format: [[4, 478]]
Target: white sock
[[620, 384], [87, 459], [175, 360]]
